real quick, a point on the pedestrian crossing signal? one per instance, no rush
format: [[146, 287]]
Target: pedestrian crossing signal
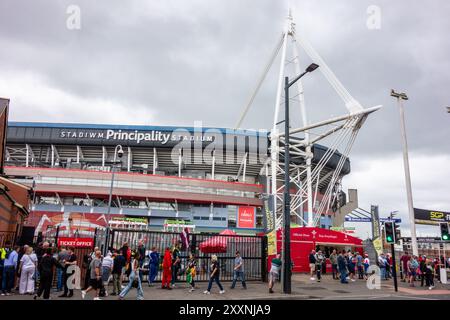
[[389, 231], [444, 231]]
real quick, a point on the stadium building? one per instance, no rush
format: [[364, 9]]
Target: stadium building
[[206, 179]]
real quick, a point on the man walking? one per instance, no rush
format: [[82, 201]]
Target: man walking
[[238, 271], [176, 262], [333, 261], [319, 261], [141, 250], [312, 264], [95, 282], [342, 266], [154, 266], [359, 265], [48, 262], [118, 266]]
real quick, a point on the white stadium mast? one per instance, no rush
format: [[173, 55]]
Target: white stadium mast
[[342, 131]]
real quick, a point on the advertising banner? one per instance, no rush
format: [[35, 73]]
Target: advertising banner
[[378, 245], [246, 217], [76, 242], [272, 243], [269, 215], [423, 216], [375, 222]]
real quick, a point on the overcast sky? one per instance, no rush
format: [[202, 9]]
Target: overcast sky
[[175, 62]]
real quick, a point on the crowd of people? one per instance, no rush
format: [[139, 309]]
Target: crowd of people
[[31, 270], [348, 265], [422, 268], [345, 265]]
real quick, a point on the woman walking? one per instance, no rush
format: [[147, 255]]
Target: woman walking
[[214, 277], [28, 264], [134, 279]]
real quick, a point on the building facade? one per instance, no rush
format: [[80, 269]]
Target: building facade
[[210, 178]]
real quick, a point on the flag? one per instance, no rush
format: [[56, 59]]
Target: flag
[[184, 239]]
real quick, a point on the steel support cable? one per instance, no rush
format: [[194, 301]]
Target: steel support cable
[[335, 175], [260, 81], [337, 172]]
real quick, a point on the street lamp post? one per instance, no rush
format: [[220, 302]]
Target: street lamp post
[[118, 152], [400, 97], [286, 196]]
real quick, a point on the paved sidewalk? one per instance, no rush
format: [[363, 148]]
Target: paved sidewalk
[[302, 288]]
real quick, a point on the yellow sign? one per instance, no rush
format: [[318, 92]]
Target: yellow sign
[[272, 243], [378, 245]]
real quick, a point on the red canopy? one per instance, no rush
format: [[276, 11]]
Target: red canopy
[[217, 244]]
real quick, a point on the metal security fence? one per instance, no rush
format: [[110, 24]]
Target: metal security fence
[[252, 250]]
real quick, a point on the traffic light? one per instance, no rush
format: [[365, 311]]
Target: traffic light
[[444, 231], [398, 234], [389, 232]]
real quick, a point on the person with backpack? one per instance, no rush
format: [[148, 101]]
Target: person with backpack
[[154, 266], [214, 276], [134, 279], [382, 266], [191, 272], [319, 261], [412, 270], [9, 269]]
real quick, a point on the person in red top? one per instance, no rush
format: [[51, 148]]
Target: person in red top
[[404, 263], [167, 270]]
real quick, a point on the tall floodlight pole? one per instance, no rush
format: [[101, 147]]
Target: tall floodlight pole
[[400, 97], [286, 195], [118, 152]]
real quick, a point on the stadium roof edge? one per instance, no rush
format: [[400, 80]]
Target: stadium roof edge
[[247, 132]]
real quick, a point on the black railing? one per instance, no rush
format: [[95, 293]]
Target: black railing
[[252, 249]]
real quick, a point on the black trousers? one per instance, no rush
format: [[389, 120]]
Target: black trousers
[[45, 285], [422, 278]]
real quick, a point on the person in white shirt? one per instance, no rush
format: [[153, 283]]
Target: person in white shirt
[[107, 266], [27, 268]]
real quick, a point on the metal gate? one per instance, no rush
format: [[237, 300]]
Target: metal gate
[[253, 250]]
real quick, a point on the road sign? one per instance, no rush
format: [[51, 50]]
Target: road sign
[[356, 219], [396, 220]]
